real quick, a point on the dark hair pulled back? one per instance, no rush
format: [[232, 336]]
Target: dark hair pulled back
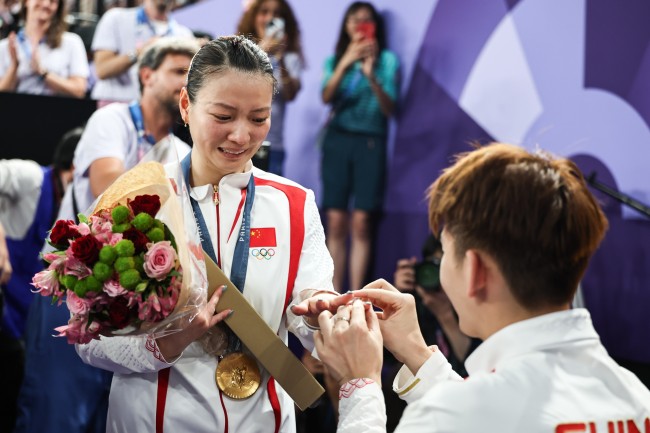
[[224, 53]]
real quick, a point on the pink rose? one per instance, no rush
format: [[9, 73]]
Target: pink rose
[[113, 288], [159, 260], [77, 305], [46, 282]]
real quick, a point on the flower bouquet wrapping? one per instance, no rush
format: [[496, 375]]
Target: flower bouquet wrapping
[[133, 265]]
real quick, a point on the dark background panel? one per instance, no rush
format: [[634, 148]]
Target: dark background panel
[[32, 125]]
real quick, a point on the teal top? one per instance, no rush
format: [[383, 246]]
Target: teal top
[[355, 106]]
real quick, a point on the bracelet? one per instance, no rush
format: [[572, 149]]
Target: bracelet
[[311, 327]]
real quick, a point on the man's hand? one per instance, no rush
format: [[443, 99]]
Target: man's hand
[[350, 343], [404, 276], [398, 322]]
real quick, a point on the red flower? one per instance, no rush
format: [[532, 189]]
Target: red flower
[[86, 249], [118, 313], [145, 203], [138, 238], [63, 231]]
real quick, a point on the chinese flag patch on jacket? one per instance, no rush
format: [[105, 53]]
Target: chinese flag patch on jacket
[[263, 237]]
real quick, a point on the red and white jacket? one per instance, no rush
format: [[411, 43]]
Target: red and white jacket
[[149, 394]]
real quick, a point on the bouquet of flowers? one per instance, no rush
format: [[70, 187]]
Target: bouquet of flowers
[[122, 270]]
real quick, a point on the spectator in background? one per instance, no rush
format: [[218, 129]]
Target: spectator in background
[[121, 36], [42, 58], [30, 196], [9, 16], [273, 24], [361, 84], [114, 140]]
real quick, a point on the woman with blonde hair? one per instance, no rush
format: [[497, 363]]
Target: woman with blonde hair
[[43, 58]]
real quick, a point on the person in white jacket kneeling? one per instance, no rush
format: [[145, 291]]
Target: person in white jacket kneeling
[[517, 230]]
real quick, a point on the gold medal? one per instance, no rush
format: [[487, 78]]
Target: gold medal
[[237, 375]]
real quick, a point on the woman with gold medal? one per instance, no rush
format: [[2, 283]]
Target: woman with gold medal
[[263, 231]]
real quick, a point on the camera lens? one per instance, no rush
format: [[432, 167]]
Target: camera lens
[[427, 275]]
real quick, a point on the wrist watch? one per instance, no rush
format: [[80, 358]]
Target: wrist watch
[[44, 74]]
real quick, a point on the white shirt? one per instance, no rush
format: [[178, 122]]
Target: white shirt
[[67, 60], [118, 31], [20, 191], [532, 376], [109, 133]]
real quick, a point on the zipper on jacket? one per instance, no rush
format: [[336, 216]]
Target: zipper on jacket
[[215, 199]]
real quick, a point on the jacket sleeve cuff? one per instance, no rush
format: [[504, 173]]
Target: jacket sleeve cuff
[[361, 407], [411, 388]]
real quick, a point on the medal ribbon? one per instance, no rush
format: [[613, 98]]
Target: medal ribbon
[[240, 257], [143, 137]]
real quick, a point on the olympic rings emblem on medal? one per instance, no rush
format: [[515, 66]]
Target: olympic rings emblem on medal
[[263, 253]]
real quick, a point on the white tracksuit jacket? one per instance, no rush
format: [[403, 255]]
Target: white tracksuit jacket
[[148, 397], [549, 374]]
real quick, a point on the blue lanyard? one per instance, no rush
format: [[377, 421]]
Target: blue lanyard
[[138, 122], [240, 257], [24, 43], [143, 19]]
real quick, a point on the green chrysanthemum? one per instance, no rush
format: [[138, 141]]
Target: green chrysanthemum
[[120, 214], [129, 279], [156, 235], [125, 248], [143, 222], [102, 271], [123, 264], [107, 254]]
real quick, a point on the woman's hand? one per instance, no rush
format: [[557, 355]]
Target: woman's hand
[[35, 61], [171, 346], [350, 343], [320, 301], [13, 49], [358, 48]]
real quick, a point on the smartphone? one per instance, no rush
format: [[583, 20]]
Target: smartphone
[[275, 28], [367, 29]]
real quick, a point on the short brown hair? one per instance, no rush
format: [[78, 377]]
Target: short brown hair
[[531, 212]]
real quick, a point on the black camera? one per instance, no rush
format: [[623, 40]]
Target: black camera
[[427, 275]]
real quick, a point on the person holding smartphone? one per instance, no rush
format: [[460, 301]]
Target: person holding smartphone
[[360, 82], [273, 25]]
